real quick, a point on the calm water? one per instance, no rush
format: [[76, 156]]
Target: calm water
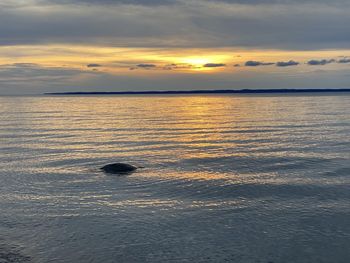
[[226, 179]]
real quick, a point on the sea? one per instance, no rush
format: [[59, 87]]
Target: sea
[[225, 178]]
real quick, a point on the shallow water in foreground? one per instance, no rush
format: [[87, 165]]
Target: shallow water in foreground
[[226, 179]]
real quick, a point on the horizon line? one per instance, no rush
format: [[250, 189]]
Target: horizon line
[[219, 91]]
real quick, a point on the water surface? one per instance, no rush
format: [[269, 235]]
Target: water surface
[[226, 179]]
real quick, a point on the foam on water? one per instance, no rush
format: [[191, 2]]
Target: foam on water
[[226, 178]]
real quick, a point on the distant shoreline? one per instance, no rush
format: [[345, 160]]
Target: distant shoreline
[[242, 91]]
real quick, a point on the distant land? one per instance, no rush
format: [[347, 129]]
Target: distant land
[[242, 91]]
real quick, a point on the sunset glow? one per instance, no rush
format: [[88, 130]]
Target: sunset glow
[[136, 45], [168, 131]]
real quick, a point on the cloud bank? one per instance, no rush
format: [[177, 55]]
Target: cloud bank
[[274, 24], [168, 27], [344, 60], [214, 65], [322, 62], [93, 65], [252, 63], [287, 63]]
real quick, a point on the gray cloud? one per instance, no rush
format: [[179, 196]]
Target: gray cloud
[[101, 25], [287, 63], [16, 79], [344, 60], [177, 66], [114, 2], [21, 65], [23, 78], [321, 62], [93, 65], [29, 71], [170, 66], [214, 65], [167, 2], [197, 23], [252, 63], [144, 66], [282, 2]]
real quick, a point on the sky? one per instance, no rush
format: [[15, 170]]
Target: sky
[[132, 45]]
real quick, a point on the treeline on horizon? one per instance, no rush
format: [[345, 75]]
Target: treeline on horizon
[[227, 91]]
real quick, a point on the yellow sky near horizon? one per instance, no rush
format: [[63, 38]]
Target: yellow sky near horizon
[[116, 60]]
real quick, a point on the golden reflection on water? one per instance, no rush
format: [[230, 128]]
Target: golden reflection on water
[[221, 173], [155, 129]]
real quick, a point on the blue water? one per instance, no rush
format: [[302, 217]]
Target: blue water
[[226, 179]]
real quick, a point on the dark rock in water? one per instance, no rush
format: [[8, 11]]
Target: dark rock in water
[[118, 168]]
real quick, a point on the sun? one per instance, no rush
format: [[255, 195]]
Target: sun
[[197, 62]]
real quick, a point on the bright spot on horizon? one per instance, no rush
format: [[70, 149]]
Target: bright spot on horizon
[[197, 62]]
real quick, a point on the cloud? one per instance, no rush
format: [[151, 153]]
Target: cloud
[[280, 2], [253, 63], [321, 62], [114, 2], [174, 66], [36, 79], [296, 24], [143, 66], [344, 60], [287, 63], [214, 65], [22, 78], [30, 71], [146, 65], [93, 65], [169, 2], [170, 66], [22, 65]]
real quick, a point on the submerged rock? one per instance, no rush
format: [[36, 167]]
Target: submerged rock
[[118, 168]]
